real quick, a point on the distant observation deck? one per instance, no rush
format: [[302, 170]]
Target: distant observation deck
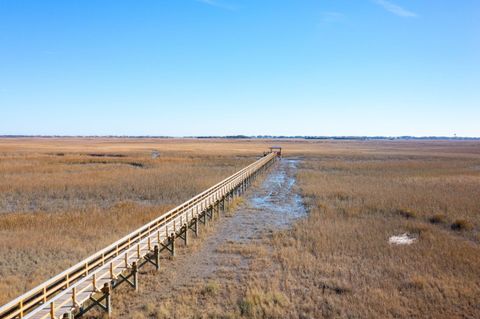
[[277, 150]]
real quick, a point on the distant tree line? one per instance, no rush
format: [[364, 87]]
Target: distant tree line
[[303, 137]]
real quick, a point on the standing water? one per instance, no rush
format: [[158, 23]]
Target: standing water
[[272, 204]]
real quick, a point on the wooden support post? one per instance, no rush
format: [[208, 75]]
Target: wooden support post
[[172, 242], [135, 275], [108, 299], [107, 307], [185, 234], [217, 210], [156, 254], [112, 276], [196, 226]]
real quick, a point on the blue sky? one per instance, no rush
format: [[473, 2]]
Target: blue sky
[[218, 67]]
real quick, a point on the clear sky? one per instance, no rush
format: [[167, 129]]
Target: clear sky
[[218, 67]]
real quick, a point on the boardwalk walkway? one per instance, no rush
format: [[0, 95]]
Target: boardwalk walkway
[[89, 283]]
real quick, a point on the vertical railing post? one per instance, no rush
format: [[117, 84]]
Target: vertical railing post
[[94, 282], [74, 296], [52, 310]]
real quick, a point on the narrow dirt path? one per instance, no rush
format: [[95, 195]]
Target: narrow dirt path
[[270, 205]]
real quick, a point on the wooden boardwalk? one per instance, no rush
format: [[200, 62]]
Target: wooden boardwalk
[[90, 283]]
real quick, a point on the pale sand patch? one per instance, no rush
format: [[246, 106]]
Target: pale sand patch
[[404, 239]]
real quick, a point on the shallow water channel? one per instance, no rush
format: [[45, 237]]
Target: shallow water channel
[[271, 204]]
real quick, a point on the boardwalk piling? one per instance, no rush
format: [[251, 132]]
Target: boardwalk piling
[[135, 275], [156, 254], [108, 299], [172, 243]]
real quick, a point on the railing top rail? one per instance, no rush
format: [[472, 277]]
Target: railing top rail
[[38, 289]]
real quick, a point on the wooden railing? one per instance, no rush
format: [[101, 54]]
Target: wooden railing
[[72, 290]]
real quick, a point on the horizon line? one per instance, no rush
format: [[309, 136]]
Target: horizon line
[[241, 136]]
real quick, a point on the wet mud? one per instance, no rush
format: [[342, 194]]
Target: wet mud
[[271, 204]]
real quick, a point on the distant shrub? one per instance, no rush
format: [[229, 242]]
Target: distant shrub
[[407, 213], [461, 224], [438, 219]]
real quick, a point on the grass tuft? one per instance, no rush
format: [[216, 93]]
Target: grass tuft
[[461, 224], [406, 213], [438, 219], [211, 288]]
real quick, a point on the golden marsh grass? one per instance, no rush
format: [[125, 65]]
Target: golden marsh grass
[[336, 262]]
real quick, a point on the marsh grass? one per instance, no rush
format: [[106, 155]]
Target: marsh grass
[[336, 262], [63, 199]]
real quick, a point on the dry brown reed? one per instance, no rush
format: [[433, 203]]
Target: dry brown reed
[[335, 263]]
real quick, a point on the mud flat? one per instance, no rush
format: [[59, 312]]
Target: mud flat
[[224, 251]]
